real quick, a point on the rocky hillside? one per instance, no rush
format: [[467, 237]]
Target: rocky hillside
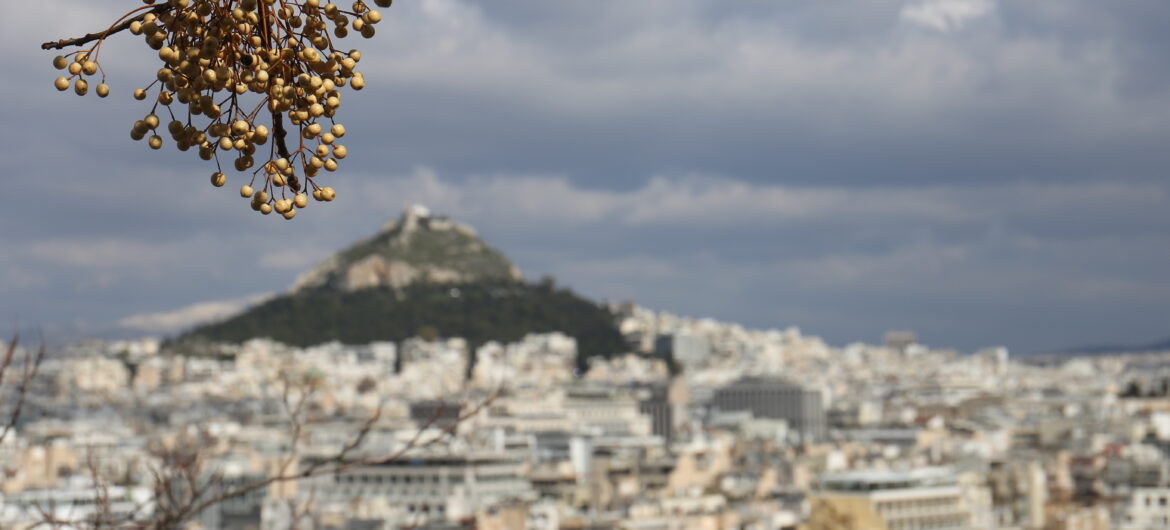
[[417, 248]]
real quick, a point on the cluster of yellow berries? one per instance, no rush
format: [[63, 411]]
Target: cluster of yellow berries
[[215, 52], [78, 68]]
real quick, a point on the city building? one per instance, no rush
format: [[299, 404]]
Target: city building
[[776, 399], [921, 499]]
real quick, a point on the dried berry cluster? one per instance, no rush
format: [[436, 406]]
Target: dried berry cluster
[[215, 53]]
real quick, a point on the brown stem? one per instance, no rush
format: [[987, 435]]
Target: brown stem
[[280, 133], [63, 43]]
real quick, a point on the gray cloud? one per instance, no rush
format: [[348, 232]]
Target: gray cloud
[[982, 171], [189, 316]]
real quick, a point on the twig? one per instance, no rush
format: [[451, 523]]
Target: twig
[[64, 43]]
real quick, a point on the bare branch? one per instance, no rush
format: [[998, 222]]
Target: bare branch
[[117, 28], [182, 490], [32, 365], [338, 463]]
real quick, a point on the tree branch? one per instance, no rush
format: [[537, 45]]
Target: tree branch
[[64, 43]]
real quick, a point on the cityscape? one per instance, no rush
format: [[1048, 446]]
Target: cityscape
[[542, 265], [696, 423]]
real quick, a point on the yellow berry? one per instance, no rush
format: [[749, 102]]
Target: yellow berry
[[338, 130], [60, 62], [61, 83], [155, 141], [103, 90], [289, 214], [218, 179], [265, 208], [80, 87], [301, 200], [139, 94], [245, 191], [340, 151]]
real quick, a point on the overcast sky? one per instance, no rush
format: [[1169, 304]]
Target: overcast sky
[[981, 172]]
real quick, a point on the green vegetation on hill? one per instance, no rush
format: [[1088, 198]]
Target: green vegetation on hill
[[478, 312]]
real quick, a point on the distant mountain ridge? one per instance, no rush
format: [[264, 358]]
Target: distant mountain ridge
[[1107, 349], [420, 276]]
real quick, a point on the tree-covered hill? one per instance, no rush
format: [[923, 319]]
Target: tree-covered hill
[[478, 312]]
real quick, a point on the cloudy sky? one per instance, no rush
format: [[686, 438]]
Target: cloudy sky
[[980, 171]]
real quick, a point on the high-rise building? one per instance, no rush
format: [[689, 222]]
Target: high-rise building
[[775, 398], [686, 350]]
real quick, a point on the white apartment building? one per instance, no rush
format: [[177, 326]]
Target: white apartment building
[[921, 499], [74, 501], [431, 487], [1149, 509]]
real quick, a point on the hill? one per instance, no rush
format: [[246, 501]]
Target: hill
[[420, 276]]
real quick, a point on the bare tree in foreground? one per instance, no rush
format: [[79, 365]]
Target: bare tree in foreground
[[16, 375], [184, 486]]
